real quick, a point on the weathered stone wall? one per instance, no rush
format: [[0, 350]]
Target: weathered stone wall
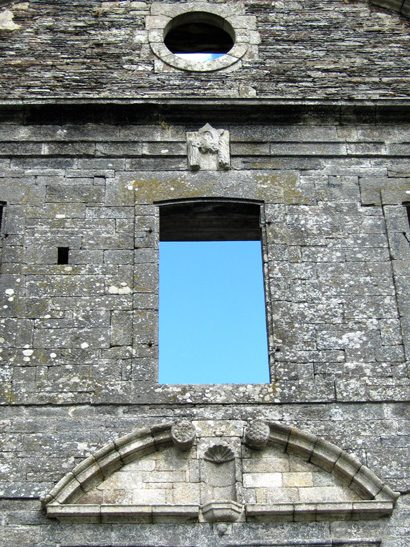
[[79, 349], [79, 341], [43, 443], [329, 49], [336, 251]]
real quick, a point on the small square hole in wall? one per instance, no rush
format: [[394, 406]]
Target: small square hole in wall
[[62, 255]]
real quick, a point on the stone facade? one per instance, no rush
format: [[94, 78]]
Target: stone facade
[[97, 131]]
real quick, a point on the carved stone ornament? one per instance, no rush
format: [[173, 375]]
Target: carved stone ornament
[[257, 435], [222, 511], [80, 496], [183, 435], [208, 149], [219, 453]]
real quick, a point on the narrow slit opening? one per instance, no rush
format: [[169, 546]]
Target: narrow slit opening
[[62, 255]]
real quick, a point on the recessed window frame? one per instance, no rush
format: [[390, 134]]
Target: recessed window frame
[[241, 28], [252, 236]]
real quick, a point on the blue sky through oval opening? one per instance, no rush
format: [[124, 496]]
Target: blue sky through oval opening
[[212, 326], [200, 57]]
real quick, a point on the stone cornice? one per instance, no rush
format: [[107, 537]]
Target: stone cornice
[[150, 109]]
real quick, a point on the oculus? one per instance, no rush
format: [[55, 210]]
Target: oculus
[[206, 38], [199, 37]]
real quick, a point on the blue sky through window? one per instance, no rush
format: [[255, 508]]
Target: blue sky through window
[[212, 313], [200, 57]]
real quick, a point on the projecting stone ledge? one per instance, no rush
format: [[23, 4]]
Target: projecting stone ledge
[[293, 512]]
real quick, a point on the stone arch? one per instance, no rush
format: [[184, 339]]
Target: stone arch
[[370, 497]]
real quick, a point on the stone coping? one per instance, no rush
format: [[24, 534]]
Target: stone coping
[[378, 498], [400, 6]]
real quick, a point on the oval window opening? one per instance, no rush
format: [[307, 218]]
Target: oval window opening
[[199, 36]]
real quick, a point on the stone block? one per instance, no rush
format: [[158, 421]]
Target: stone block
[[301, 444], [262, 480], [151, 496], [121, 329], [279, 435], [325, 455], [346, 467], [185, 494], [67, 490], [305, 512], [118, 149], [72, 514], [164, 149], [175, 513], [88, 473], [297, 480], [131, 448], [282, 512], [334, 511], [265, 465], [134, 514], [366, 484], [371, 509], [108, 459]]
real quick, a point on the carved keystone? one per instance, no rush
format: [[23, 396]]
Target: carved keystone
[[208, 149], [183, 435], [257, 435]]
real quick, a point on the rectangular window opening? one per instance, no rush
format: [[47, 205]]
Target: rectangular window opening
[[62, 255], [212, 326]]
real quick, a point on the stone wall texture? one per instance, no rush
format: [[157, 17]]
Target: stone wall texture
[[87, 48], [93, 134]]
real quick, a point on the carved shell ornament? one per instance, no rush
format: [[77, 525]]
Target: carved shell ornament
[[219, 453]]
